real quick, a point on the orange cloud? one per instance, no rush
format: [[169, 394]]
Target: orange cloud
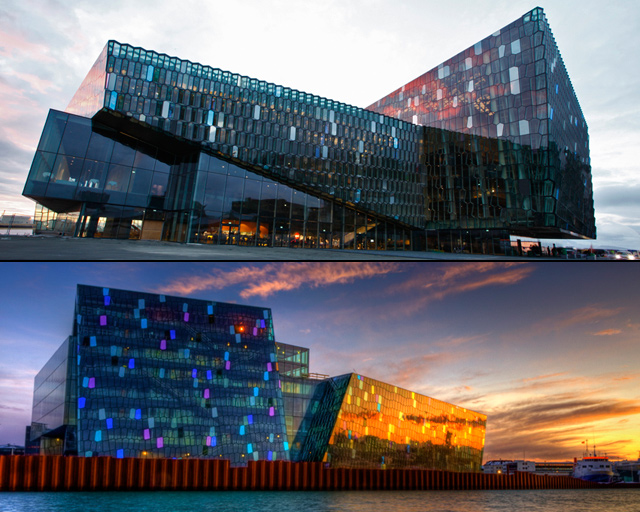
[[583, 315], [543, 377], [552, 427], [273, 278], [411, 371], [443, 280], [607, 332], [448, 278]]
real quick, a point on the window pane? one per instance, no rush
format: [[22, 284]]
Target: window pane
[[214, 192], [283, 208], [122, 155], [42, 166], [76, 136], [158, 189], [233, 195], [53, 129], [145, 157], [139, 186], [117, 184], [67, 169], [218, 166], [268, 198], [64, 177], [100, 147], [234, 170], [251, 198], [297, 205]]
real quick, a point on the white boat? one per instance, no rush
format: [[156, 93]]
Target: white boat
[[594, 469]]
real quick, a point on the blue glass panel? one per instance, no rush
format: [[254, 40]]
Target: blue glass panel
[[53, 130], [100, 147], [76, 136]]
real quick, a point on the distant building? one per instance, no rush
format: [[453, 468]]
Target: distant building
[[11, 449], [628, 470], [14, 224], [554, 468], [147, 375], [489, 144], [506, 467]]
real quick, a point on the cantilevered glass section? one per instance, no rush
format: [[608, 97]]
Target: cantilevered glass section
[[107, 184]]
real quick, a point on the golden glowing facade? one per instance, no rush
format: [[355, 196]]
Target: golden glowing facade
[[356, 421]]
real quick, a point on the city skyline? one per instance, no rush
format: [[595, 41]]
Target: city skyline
[[343, 63], [547, 351]]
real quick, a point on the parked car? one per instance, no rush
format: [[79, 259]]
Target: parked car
[[624, 255]]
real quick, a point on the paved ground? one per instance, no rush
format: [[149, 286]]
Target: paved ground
[[48, 248]]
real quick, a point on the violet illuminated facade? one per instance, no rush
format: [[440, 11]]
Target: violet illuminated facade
[[490, 143]]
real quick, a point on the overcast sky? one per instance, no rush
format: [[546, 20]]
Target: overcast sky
[[354, 51], [549, 351]]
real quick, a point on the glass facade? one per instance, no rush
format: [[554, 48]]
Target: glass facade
[[347, 153], [490, 143], [106, 184], [509, 99], [358, 422], [50, 408], [160, 376], [146, 375]]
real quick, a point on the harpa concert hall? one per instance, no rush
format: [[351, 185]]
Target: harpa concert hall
[[490, 144], [146, 375]]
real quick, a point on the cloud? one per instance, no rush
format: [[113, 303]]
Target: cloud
[[543, 377], [584, 315], [452, 278], [607, 332], [552, 427], [625, 377], [264, 281], [455, 341], [446, 279], [9, 408], [410, 372], [561, 412]]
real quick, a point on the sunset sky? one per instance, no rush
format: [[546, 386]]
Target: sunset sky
[[548, 351], [353, 51]]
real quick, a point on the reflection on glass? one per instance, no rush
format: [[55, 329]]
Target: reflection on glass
[[53, 130], [100, 147], [362, 422], [76, 136]]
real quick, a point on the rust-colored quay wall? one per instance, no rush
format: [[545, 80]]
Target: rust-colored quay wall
[[57, 473]]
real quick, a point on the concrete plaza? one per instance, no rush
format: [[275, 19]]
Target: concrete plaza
[[55, 248]]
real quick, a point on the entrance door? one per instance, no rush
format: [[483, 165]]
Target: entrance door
[[152, 230]]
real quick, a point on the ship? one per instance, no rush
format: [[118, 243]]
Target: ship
[[594, 468]]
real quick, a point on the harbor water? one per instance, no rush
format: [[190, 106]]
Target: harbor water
[[584, 500]]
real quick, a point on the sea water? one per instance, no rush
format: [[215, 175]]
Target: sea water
[[587, 500]]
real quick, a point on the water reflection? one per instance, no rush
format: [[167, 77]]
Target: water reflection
[[592, 500]]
